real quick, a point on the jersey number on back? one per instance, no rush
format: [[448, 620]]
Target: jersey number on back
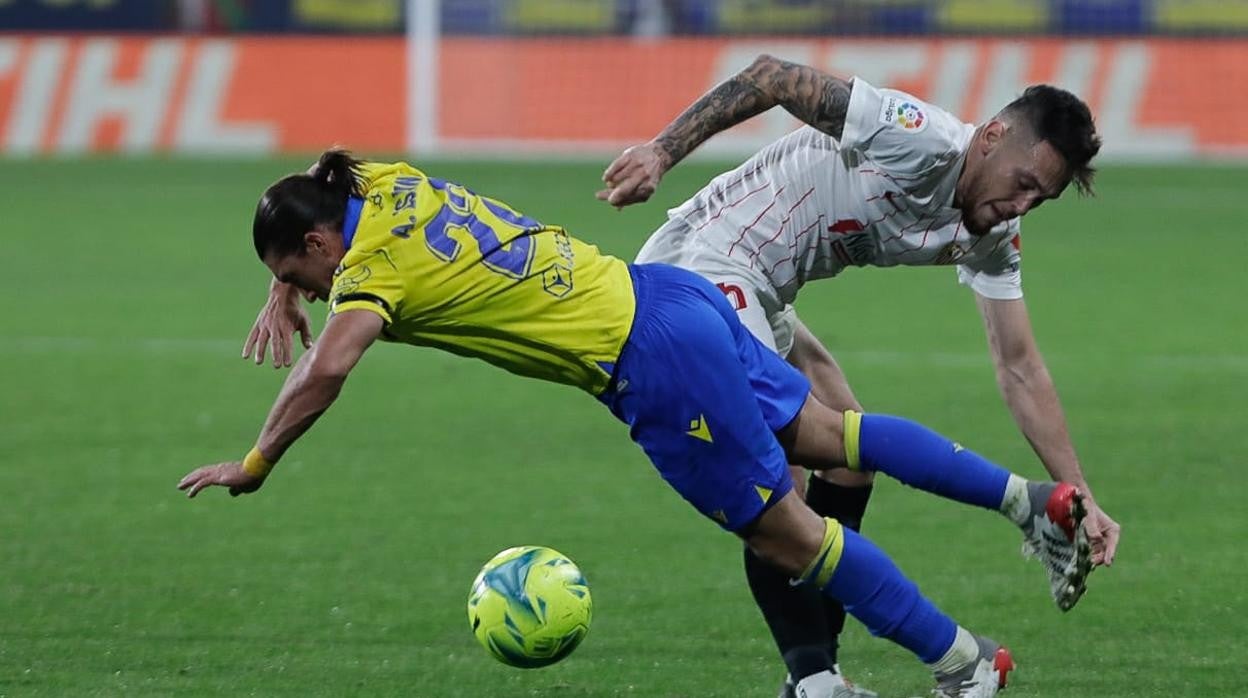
[[513, 259]]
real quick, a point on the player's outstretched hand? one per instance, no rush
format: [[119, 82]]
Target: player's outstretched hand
[[280, 318], [229, 475], [634, 176], [1102, 533]]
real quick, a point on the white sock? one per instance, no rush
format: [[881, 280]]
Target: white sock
[[1016, 505], [964, 651]]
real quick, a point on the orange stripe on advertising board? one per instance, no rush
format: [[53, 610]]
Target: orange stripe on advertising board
[[99, 94], [568, 89], [1156, 98], [1152, 98]]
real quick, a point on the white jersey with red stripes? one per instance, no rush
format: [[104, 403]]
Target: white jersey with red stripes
[[806, 207]]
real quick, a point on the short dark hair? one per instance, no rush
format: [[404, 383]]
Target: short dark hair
[[297, 203], [1064, 122]]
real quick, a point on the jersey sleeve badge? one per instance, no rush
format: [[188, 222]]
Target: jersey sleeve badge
[[903, 114]]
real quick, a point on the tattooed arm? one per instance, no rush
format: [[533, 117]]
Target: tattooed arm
[[816, 98]]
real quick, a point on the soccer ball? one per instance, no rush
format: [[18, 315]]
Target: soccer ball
[[529, 607]]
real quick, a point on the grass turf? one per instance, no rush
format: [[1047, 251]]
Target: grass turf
[[129, 287]]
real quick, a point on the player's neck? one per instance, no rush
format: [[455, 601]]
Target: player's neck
[[971, 161]]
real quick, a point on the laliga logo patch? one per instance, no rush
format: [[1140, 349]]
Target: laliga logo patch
[[910, 117], [903, 114]]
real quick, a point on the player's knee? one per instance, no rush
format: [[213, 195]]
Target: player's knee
[[790, 557], [788, 536], [816, 438]]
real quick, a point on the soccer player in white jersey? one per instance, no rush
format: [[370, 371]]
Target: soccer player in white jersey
[[877, 177]]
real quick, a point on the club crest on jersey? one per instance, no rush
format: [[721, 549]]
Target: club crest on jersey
[[904, 114], [557, 280], [949, 254], [852, 244]]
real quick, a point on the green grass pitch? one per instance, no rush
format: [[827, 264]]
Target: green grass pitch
[[129, 286]]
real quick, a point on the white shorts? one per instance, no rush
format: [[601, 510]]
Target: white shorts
[[756, 303]]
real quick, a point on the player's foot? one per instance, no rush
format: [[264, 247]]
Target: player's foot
[[1054, 535], [825, 684], [981, 678]]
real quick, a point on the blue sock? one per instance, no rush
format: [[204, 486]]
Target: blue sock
[[921, 458], [875, 592]]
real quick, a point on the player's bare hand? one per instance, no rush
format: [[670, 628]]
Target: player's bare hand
[[635, 175], [1103, 533], [229, 475], [280, 318]]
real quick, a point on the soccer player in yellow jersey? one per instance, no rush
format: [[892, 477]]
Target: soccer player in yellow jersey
[[405, 257]]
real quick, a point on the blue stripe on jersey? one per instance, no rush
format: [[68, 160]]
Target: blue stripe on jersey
[[355, 205]]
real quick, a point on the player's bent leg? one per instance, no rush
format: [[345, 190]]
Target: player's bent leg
[[822, 553], [847, 492], [793, 614], [684, 383], [786, 536], [822, 438], [844, 565], [840, 494], [1051, 525], [1049, 514], [846, 504]]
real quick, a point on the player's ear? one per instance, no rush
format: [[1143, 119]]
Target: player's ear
[[993, 134], [315, 241]]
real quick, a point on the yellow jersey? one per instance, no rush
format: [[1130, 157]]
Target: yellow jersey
[[447, 268]]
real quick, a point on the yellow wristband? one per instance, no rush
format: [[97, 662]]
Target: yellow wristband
[[255, 465]]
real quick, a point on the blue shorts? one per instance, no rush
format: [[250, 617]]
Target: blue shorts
[[703, 397]]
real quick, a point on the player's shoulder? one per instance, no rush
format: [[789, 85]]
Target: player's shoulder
[[390, 193], [875, 111], [902, 132], [381, 177]]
